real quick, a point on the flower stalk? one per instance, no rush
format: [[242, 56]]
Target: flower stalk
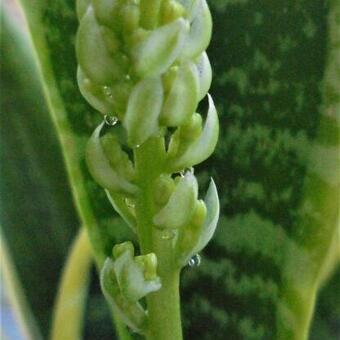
[[144, 63]]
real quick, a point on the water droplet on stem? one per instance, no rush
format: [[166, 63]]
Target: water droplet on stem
[[195, 261]]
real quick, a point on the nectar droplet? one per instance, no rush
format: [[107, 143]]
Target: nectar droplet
[[195, 261], [168, 235], [110, 120], [186, 170]]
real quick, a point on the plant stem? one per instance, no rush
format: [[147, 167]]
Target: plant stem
[[121, 330], [70, 303], [163, 305]]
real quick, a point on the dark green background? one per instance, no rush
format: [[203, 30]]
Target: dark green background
[[268, 59]]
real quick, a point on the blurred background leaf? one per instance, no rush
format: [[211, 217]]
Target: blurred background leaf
[[37, 213], [269, 60]]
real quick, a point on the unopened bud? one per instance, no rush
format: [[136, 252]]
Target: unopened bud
[[121, 248], [204, 74], [159, 50], [143, 109], [189, 235], [182, 99], [93, 54], [180, 206], [148, 263], [164, 186], [171, 11], [200, 32], [203, 146], [105, 173], [108, 13], [131, 15]]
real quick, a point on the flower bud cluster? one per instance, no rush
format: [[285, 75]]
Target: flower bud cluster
[[144, 61], [127, 279]]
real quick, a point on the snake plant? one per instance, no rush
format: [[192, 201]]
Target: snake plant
[[276, 82]]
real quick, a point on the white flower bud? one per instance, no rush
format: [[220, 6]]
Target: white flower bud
[[200, 32], [132, 313], [201, 148], [180, 207], [143, 110], [94, 56], [182, 100], [102, 170], [194, 237], [204, 75], [136, 277], [158, 51]]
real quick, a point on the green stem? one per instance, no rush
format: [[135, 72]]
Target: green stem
[[163, 305], [120, 328], [70, 304]]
